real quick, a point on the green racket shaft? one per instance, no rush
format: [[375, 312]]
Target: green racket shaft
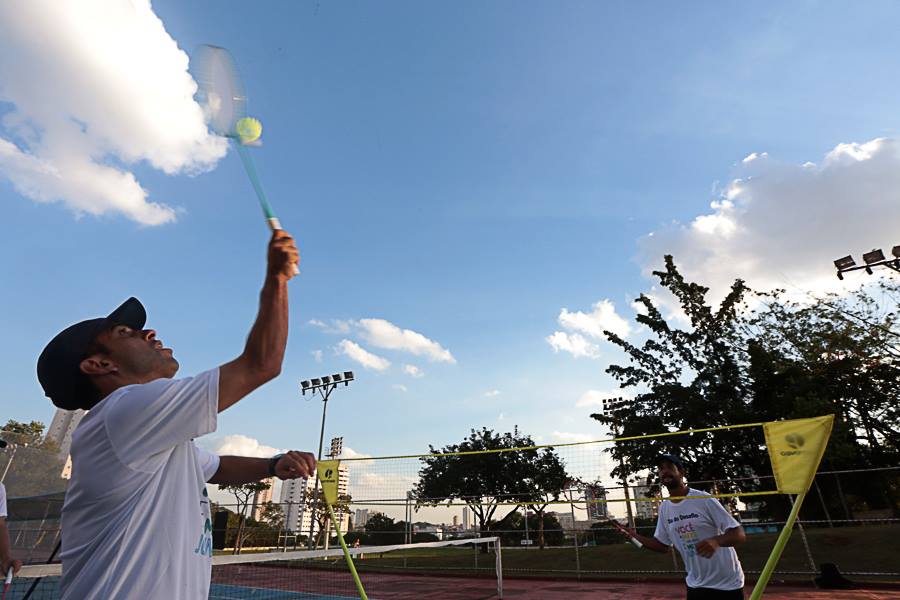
[[250, 168]]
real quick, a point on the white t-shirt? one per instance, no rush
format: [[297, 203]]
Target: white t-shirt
[[689, 522], [2, 501], [136, 520]]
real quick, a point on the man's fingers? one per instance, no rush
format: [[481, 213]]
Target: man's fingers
[[298, 464]]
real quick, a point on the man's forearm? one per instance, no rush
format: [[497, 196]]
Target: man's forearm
[[235, 470], [268, 336], [732, 537], [651, 543], [4, 541]]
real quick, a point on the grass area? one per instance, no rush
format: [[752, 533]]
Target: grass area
[[870, 549]]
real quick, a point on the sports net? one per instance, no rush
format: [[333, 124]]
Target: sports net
[[453, 570]]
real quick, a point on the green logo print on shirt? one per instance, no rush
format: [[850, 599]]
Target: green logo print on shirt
[[204, 546]]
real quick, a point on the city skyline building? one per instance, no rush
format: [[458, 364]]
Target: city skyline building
[[261, 498]]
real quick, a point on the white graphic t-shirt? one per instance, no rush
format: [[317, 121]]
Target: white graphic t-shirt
[[136, 520], [689, 522]]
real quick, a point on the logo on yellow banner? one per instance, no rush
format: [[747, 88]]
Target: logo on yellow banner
[[795, 449], [328, 475]]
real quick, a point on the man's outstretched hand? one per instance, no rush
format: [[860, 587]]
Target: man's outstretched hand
[[283, 255]]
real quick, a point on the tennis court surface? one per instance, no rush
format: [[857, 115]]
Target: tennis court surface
[[450, 570]]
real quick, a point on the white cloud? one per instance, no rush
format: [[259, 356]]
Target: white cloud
[[384, 334], [491, 393], [317, 355], [782, 225], [102, 87], [348, 452], [573, 343], [567, 437], [240, 445], [400, 387], [602, 317], [336, 326], [413, 371], [357, 353], [500, 417], [596, 397]]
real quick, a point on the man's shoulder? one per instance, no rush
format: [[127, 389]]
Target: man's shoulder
[[155, 388], [698, 493]]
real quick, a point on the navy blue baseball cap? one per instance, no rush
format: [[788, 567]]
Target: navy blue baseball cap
[[59, 365], [672, 459]]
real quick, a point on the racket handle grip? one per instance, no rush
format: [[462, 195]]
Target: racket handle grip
[[275, 224], [636, 542]]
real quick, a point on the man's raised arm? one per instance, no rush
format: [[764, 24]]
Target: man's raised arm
[[263, 354]]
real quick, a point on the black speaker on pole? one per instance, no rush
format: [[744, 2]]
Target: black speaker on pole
[[220, 528]]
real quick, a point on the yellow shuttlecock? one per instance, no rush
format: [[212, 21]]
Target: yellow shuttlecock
[[248, 130]]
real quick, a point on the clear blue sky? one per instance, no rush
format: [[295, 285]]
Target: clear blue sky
[[462, 170]]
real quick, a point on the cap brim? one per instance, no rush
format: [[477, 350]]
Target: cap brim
[[131, 313]]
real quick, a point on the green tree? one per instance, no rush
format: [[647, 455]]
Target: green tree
[[244, 494], [733, 363], [841, 355], [25, 433], [546, 524], [272, 515], [513, 471], [548, 479], [694, 377], [32, 464], [382, 530], [320, 513]]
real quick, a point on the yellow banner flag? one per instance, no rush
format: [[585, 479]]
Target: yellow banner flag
[[795, 449], [328, 475]]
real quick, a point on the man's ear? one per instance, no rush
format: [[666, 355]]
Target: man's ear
[[97, 365]]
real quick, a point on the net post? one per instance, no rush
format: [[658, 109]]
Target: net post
[[782, 541], [340, 537], [499, 562]]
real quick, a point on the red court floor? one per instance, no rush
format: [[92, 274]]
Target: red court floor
[[524, 589]]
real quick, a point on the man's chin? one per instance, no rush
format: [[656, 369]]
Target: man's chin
[[173, 367]]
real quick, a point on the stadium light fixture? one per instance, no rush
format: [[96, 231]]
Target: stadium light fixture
[[324, 386], [845, 263], [872, 259]]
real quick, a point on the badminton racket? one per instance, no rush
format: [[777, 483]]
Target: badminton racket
[[221, 94], [621, 528]]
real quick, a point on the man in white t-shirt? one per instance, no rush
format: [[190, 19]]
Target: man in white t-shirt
[[6, 559], [704, 533], [136, 521]]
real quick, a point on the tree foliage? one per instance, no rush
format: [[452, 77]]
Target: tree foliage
[[760, 357], [487, 481], [244, 494], [32, 463]]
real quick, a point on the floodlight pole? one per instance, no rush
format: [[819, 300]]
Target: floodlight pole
[[324, 386], [315, 502], [615, 431]]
